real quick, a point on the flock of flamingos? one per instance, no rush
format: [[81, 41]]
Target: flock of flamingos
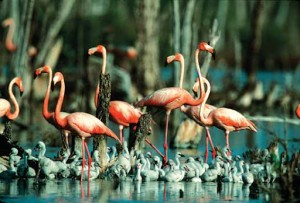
[[86, 125]]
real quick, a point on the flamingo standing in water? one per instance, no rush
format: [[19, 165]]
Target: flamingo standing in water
[[49, 116], [120, 112], [193, 111], [9, 44], [225, 119], [83, 124], [5, 107], [171, 98]]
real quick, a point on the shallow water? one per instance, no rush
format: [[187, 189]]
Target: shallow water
[[68, 190]]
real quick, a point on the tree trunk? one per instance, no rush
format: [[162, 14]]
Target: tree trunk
[[254, 41], [147, 44]]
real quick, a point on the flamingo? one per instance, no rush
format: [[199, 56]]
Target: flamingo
[[193, 111], [49, 116], [83, 124], [9, 22], [5, 107], [171, 98], [120, 112], [225, 119], [298, 111]]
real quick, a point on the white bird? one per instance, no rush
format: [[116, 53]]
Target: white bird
[[174, 175], [227, 174], [23, 169], [137, 176], [48, 167], [11, 172], [247, 176], [212, 174]]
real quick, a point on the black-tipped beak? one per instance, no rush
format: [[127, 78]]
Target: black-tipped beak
[[208, 42], [214, 55], [195, 94], [52, 86], [34, 76], [21, 93], [166, 63]]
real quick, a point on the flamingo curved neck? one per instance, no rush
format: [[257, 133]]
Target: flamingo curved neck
[[42, 153], [60, 121], [9, 39], [181, 72], [15, 114], [103, 62], [207, 121], [47, 115]]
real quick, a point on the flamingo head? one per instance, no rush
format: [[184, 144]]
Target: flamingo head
[[7, 22], [57, 78], [99, 48], [204, 46], [176, 57], [131, 53], [19, 83], [44, 69], [40, 145], [196, 87]]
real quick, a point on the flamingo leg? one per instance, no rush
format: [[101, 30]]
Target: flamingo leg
[[227, 142], [83, 159], [166, 137], [89, 160], [121, 133], [211, 143], [153, 146], [206, 148]]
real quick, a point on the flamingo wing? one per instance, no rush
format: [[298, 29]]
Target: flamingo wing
[[86, 125], [4, 107], [168, 98], [123, 113], [231, 120]]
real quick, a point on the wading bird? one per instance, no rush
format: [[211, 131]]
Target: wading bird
[[9, 44], [5, 107], [225, 119], [49, 116], [120, 112], [171, 98], [193, 111], [82, 124]]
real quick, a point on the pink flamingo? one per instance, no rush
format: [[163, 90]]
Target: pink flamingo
[[120, 112], [225, 119], [83, 124], [171, 98], [298, 111], [9, 22], [5, 107], [49, 116], [193, 111]]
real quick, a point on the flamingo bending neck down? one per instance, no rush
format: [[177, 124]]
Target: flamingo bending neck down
[[82, 124], [225, 119], [5, 107], [193, 111], [120, 112], [171, 98], [49, 116], [10, 46]]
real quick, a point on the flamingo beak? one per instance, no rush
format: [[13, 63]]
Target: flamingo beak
[[92, 50], [169, 59], [213, 54], [52, 86]]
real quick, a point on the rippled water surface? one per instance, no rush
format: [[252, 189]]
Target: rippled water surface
[[68, 190]]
